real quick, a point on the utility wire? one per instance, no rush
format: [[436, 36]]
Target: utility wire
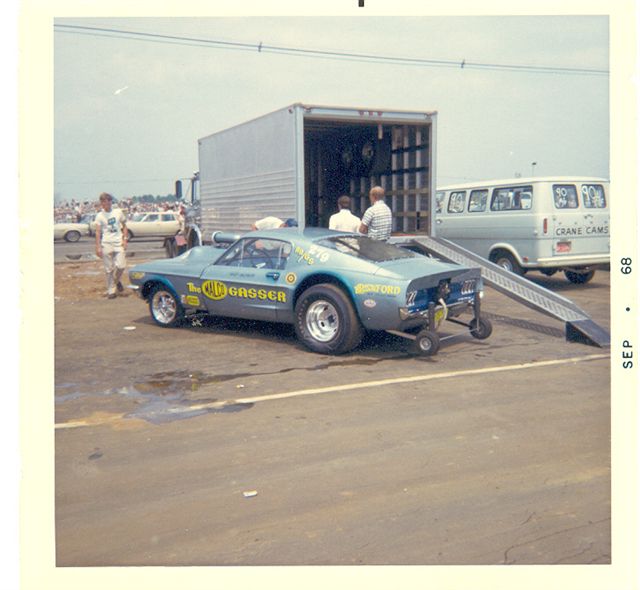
[[317, 53]]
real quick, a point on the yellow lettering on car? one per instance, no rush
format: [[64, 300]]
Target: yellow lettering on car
[[193, 300], [364, 288], [215, 290]]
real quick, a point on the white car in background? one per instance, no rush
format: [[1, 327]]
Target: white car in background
[[158, 224], [90, 220], [70, 232]]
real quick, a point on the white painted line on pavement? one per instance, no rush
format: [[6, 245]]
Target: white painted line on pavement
[[416, 378], [350, 386]]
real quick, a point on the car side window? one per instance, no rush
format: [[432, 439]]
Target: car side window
[[565, 196], [478, 201], [456, 202], [593, 196], [151, 217], [257, 253], [168, 217], [513, 198]]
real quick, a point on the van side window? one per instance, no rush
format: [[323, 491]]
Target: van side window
[[565, 196], [513, 198], [456, 202], [478, 201], [439, 201], [593, 196]]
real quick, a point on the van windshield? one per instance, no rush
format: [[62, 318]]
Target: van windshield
[[366, 248]]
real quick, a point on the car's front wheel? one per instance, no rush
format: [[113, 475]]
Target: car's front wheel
[[72, 236], [325, 320], [165, 309]]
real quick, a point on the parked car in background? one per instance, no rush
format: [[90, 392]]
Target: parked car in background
[[332, 286], [90, 220], [157, 224], [70, 232]]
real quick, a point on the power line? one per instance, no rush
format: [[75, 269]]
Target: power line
[[318, 53]]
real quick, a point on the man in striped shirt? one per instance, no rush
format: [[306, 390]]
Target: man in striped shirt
[[377, 219]]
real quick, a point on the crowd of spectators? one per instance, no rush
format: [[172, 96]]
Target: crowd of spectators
[[73, 210]]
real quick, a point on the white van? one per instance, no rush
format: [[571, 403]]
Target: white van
[[541, 223]]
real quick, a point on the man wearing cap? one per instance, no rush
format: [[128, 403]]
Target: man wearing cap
[[111, 243]]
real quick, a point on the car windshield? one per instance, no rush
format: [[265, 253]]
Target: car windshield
[[363, 247]]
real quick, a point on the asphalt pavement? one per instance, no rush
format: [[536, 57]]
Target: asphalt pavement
[[227, 443]]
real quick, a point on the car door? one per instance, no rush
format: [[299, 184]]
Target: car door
[[248, 281], [169, 224]]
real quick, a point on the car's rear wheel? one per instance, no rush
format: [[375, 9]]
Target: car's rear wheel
[[72, 236], [165, 309], [579, 277], [325, 320]]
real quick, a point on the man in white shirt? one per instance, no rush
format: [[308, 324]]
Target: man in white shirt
[[344, 220], [273, 223], [111, 243]]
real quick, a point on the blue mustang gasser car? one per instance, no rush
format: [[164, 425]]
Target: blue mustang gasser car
[[331, 286]]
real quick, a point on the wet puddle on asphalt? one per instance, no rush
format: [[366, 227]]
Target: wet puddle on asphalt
[[167, 396]]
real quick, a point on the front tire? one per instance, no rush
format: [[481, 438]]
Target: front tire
[[72, 236], [165, 309], [579, 277], [325, 320]]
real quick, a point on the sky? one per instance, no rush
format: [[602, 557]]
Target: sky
[[128, 111]]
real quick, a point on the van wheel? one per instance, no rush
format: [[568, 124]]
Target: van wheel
[[507, 261], [579, 277], [325, 320]]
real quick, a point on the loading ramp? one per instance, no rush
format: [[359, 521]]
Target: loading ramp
[[579, 327]]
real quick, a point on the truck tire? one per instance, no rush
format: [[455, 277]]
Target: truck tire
[[579, 277], [506, 260], [325, 320]]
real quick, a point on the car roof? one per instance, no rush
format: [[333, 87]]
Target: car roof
[[309, 233]]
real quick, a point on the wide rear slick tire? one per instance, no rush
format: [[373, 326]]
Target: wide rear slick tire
[[325, 320]]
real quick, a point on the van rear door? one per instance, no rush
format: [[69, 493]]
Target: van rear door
[[580, 220]]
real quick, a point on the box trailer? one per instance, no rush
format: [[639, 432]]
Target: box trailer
[[297, 161]]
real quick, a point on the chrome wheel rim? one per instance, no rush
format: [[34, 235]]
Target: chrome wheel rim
[[164, 307], [505, 263], [322, 320], [425, 344]]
